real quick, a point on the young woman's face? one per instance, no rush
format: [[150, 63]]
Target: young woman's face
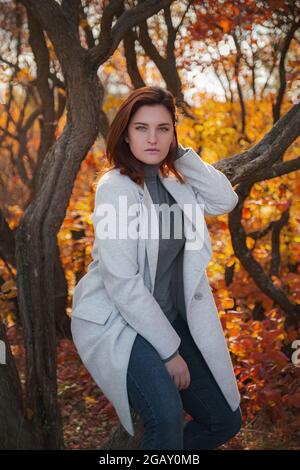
[[150, 127]]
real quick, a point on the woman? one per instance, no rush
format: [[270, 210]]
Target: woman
[[144, 318]]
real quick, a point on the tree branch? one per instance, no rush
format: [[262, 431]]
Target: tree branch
[[265, 153], [110, 37]]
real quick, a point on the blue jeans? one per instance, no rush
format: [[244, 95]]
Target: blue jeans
[[154, 396]]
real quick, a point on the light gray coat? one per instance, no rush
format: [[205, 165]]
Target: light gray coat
[[113, 301]]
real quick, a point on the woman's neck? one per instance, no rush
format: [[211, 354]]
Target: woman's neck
[[151, 170]]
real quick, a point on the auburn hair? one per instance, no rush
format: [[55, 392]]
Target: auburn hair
[[118, 153]]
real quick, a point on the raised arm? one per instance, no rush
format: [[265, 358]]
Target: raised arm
[[211, 186]]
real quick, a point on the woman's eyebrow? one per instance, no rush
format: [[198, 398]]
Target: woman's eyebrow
[[161, 124]]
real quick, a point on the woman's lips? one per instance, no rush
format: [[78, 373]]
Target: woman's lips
[[152, 150]]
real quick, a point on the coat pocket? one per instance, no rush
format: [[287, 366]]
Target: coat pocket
[[95, 313]]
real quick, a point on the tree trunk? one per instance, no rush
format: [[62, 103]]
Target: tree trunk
[[14, 432], [36, 250]]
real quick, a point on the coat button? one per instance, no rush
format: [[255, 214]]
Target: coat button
[[198, 296]]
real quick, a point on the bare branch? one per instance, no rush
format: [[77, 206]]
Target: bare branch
[[110, 37]]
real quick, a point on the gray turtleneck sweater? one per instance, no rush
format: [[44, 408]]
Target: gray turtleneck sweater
[[168, 287]]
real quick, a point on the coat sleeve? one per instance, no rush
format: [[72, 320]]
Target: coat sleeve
[[212, 188], [119, 269], [171, 357]]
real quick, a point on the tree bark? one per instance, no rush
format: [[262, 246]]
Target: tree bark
[[36, 249], [14, 431]]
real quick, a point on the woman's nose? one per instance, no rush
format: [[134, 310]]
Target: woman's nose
[[152, 137]]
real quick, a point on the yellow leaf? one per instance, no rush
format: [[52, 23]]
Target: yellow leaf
[[250, 242], [227, 303], [90, 400], [7, 286]]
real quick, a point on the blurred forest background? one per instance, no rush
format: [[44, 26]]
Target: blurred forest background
[[65, 67]]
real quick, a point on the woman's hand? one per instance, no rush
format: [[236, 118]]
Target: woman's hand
[[178, 370]]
